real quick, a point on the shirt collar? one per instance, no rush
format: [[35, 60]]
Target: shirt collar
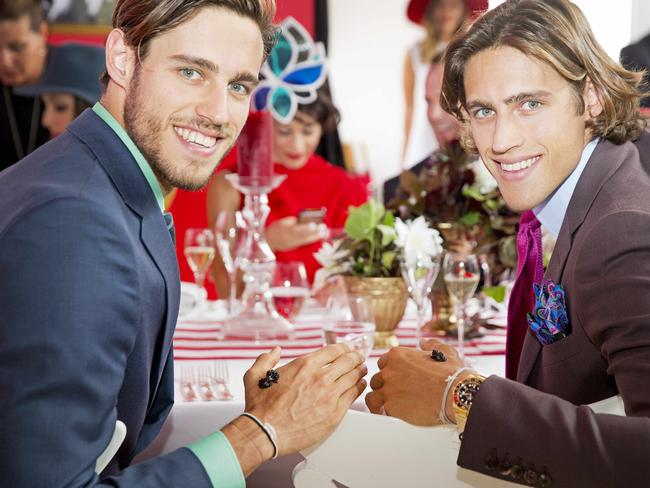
[[106, 116], [551, 211]]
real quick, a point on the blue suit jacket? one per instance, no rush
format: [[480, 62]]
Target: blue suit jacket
[[89, 294]]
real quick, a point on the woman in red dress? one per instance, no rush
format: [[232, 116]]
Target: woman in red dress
[[311, 183]]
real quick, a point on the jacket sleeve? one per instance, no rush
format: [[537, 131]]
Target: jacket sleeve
[[68, 322], [514, 425]]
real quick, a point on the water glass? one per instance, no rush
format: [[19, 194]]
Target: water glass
[[289, 288], [349, 320]]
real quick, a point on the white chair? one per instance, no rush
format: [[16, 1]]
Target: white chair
[[114, 444], [382, 452]]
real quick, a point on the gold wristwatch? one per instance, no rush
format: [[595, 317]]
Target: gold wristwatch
[[464, 394]]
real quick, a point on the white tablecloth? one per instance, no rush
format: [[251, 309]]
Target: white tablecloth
[[196, 344]]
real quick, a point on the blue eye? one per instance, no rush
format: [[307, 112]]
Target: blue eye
[[531, 105], [240, 88], [482, 113], [190, 74]]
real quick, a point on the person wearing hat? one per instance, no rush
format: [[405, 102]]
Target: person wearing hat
[[441, 19], [69, 85]]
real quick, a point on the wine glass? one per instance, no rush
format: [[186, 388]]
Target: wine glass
[[289, 288], [420, 272], [349, 319], [227, 231], [199, 252], [461, 274]]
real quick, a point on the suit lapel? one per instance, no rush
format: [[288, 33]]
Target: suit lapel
[[134, 190], [604, 162]]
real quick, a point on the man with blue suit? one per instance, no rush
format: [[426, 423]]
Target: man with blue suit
[[90, 289]]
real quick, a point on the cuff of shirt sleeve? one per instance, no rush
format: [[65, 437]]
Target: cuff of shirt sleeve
[[219, 460]]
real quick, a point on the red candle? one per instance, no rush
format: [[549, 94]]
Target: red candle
[[254, 160]]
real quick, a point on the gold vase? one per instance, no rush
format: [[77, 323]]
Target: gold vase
[[388, 297]]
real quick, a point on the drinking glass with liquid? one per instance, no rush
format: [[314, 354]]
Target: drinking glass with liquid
[[199, 250], [349, 319], [289, 288], [461, 274]]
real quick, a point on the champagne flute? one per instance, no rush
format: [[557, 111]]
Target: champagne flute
[[289, 288], [199, 252], [461, 274], [227, 232], [420, 273]]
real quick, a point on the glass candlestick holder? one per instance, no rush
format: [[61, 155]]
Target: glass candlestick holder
[[257, 320]]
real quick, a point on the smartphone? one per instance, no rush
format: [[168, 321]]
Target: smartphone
[[312, 215]]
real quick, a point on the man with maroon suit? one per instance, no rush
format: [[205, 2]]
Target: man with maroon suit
[[556, 122]]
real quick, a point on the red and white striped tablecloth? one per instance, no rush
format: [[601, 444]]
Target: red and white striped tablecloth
[[199, 340]]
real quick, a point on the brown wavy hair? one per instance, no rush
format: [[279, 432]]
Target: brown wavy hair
[[143, 20], [555, 32]]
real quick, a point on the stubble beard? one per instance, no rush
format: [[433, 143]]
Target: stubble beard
[[145, 130]]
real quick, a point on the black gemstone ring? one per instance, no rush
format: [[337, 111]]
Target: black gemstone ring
[[438, 356], [272, 376]]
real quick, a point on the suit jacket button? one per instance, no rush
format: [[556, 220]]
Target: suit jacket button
[[545, 480], [531, 476], [492, 461]]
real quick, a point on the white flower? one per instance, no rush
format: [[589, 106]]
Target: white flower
[[416, 238], [483, 180], [329, 255]]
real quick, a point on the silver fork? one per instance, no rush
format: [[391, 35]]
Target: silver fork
[[202, 381], [185, 381], [220, 377]]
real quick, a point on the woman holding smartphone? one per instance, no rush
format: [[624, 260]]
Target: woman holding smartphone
[[315, 196]]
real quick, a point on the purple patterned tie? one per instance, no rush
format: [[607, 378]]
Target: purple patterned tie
[[530, 269]]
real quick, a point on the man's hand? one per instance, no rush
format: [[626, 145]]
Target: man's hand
[[286, 233], [410, 384], [311, 396]]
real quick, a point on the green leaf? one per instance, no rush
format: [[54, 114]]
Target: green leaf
[[363, 220], [473, 193], [387, 259], [498, 293], [470, 219], [389, 219], [491, 204], [388, 234]]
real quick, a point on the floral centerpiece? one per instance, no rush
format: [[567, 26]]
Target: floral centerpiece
[[456, 194], [369, 257]]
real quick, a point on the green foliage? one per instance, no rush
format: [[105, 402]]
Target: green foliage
[[370, 238], [498, 293]]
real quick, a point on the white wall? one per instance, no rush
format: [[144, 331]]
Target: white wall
[[368, 42]]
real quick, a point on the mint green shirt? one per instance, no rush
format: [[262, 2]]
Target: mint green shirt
[[106, 116], [213, 451]]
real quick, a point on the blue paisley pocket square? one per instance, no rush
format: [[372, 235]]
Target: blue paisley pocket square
[[549, 320]]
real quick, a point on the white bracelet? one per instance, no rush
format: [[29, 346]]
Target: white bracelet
[[450, 380], [268, 430]]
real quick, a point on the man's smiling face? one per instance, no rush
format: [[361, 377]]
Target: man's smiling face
[[524, 121], [189, 97]]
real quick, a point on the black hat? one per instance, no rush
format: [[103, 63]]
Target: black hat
[[71, 68]]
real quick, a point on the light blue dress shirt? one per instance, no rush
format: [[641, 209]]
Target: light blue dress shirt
[[551, 211]]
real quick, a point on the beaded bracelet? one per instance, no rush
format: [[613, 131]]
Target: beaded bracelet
[[450, 380], [268, 430]]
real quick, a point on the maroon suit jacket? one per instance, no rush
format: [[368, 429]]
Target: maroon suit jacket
[[521, 430]]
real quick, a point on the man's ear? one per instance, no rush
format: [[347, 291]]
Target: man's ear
[[591, 98], [120, 59]]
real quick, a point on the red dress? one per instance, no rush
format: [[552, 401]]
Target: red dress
[[317, 184], [189, 209]]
